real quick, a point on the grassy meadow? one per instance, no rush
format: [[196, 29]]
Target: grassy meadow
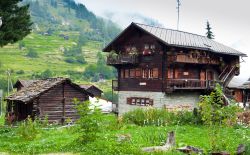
[[50, 56], [64, 140]]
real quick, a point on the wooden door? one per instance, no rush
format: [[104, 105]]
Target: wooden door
[[202, 78], [210, 75]]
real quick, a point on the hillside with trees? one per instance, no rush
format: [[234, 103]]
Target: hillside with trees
[[66, 40]]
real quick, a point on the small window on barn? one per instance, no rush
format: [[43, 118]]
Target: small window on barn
[[126, 73], [155, 73], [152, 46], [122, 73], [138, 72], [132, 73]]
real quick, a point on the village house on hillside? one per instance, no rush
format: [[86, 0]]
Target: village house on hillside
[[92, 89], [51, 97], [167, 68]]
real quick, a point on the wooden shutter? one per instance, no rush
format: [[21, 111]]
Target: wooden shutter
[[151, 102], [155, 73], [132, 73], [126, 73], [145, 73], [202, 75], [176, 73], [170, 73], [129, 101], [210, 75], [122, 73], [138, 72]]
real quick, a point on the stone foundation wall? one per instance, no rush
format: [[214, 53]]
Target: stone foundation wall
[[161, 100]]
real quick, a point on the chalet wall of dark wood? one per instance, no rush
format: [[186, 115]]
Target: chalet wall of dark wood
[[158, 62]]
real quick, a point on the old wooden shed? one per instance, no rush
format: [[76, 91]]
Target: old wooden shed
[[92, 89], [51, 97]]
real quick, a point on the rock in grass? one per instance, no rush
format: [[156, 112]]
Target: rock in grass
[[190, 150], [170, 143]]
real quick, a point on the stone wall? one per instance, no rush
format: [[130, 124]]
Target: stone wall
[[161, 100]]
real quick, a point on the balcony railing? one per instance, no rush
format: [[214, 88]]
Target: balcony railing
[[187, 59], [190, 84], [122, 59]]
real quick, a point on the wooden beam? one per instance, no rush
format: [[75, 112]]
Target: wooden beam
[[63, 103]]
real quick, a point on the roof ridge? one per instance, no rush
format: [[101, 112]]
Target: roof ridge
[[169, 29]]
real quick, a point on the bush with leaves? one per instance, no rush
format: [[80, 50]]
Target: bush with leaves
[[70, 60], [43, 75], [29, 129], [32, 53], [89, 123], [21, 45], [159, 117], [215, 114], [80, 59], [20, 72]]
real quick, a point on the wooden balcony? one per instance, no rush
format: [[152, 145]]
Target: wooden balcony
[[122, 59], [183, 58], [179, 84]]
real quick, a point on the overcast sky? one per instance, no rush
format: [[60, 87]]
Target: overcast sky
[[229, 19]]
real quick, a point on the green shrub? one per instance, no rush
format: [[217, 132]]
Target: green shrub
[[70, 60], [28, 129], [215, 116], [21, 45], [89, 123], [80, 59], [46, 74], [32, 53], [159, 117], [43, 75], [20, 72]]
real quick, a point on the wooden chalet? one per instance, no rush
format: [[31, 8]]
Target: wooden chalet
[[92, 89], [240, 93], [49, 97], [164, 67]]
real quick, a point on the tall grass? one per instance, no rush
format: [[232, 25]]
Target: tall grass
[[160, 117], [2, 120]]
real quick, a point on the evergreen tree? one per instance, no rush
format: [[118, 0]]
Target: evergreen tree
[[209, 32], [16, 21]]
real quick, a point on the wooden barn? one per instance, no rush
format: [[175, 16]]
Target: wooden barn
[[22, 84], [49, 97], [92, 89], [168, 68]]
